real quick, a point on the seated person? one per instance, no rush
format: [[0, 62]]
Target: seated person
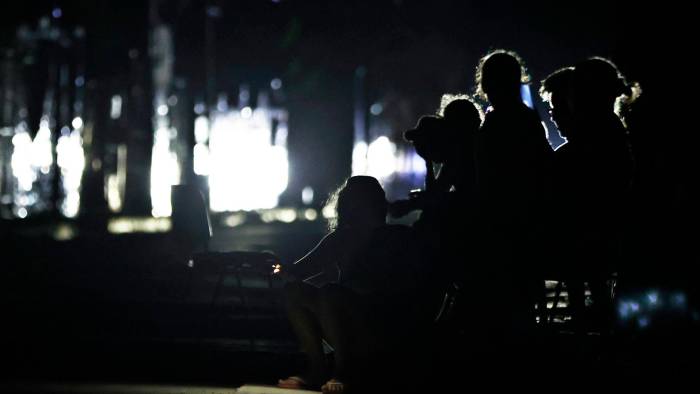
[[361, 266]]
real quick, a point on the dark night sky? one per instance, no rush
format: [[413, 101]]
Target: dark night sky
[[414, 50]]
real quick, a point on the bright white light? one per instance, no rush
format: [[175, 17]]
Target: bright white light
[[359, 159], [287, 215], [329, 212], [22, 212], [201, 129], [42, 157], [114, 198], [71, 160], [116, 108], [77, 123], [141, 225], [201, 159], [307, 195], [246, 112], [235, 219], [381, 158], [165, 172], [310, 214], [246, 171], [21, 162], [162, 110]]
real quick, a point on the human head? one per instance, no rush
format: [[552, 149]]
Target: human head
[[461, 112], [499, 76], [359, 203], [429, 138], [556, 91], [597, 86]]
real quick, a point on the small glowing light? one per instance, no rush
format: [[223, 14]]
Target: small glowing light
[[235, 220], [77, 123], [653, 298], [287, 215], [57, 13], [222, 105], [276, 84], [310, 214], [307, 195], [376, 109], [114, 198], [139, 225], [22, 212], [634, 307], [80, 81], [643, 322], [624, 309], [276, 268], [246, 112], [116, 108], [162, 110], [172, 100], [190, 263], [64, 232]]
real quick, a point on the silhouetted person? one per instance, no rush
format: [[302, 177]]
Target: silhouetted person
[[556, 91], [600, 173], [356, 282], [462, 120], [513, 160]]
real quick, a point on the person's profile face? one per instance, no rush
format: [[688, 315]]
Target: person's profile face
[[560, 113]]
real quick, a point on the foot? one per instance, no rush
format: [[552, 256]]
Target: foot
[[333, 386], [293, 382]]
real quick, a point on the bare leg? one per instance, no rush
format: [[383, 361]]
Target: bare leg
[[302, 302]]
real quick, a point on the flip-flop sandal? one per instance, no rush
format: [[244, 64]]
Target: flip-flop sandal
[[293, 382], [333, 386]]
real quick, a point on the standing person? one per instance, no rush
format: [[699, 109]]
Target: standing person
[[513, 163], [602, 172]]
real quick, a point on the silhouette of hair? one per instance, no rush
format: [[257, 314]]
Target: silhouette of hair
[[598, 79], [462, 109], [359, 200], [559, 81], [500, 69]]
